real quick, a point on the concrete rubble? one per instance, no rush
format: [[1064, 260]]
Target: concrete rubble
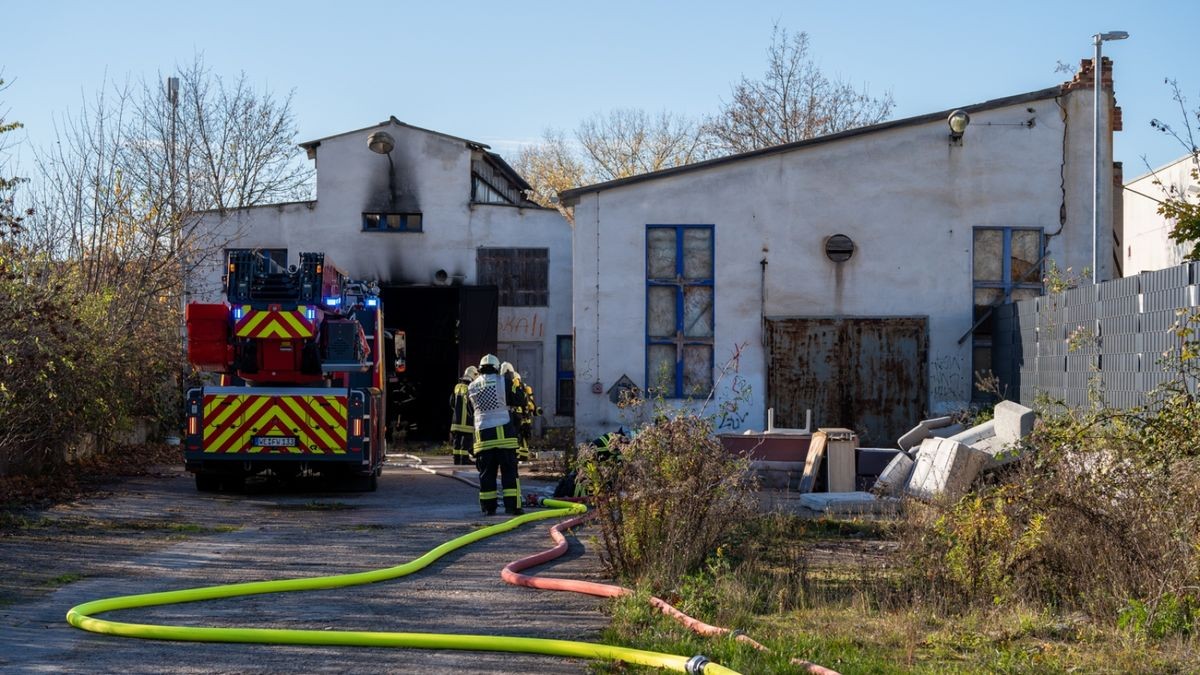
[[944, 468], [945, 465], [937, 459]]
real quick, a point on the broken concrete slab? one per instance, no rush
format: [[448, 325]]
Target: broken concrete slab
[[937, 422], [894, 476], [947, 431], [913, 437], [847, 503], [1013, 421], [944, 468], [975, 434], [999, 453], [925, 429]]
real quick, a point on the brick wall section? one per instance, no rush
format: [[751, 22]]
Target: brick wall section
[[1083, 80]]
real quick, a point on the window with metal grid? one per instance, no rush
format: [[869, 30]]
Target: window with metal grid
[[679, 309]]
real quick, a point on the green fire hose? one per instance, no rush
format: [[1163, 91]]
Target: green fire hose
[[81, 616]]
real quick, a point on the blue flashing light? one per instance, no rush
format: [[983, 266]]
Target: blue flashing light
[[372, 302], [237, 313], [333, 302], [310, 314]]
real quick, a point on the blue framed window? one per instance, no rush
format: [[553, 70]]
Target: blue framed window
[[1006, 266], [564, 376], [679, 309], [391, 222]]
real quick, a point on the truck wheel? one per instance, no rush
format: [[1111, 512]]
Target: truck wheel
[[366, 483], [206, 482], [234, 483]]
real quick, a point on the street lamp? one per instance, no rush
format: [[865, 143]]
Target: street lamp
[[1098, 39]]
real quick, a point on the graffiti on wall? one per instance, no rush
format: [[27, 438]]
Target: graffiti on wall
[[517, 327], [734, 394], [948, 378]]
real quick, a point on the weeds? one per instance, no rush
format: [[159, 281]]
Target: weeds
[[666, 502]]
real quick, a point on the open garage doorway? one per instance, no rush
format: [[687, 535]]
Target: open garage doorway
[[446, 328]]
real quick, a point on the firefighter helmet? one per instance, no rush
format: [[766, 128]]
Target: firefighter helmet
[[507, 367], [471, 373], [489, 360]]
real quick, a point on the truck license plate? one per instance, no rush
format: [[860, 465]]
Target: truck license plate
[[274, 441]]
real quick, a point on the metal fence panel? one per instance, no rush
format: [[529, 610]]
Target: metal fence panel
[[1111, 342]]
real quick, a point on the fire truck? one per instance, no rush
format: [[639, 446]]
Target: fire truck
[[300, 354]]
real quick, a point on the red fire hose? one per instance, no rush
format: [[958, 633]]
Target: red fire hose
[[512, 574]]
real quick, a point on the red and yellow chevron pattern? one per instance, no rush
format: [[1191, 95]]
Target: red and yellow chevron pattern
[[307, 424], [285, 324]]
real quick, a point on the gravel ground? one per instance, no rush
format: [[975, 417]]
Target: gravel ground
[[157, 533]]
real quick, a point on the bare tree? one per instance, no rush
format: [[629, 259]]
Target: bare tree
[[793, 101], [116, 199], [551, 166], [130, 171], [620, 143], [627, 142]]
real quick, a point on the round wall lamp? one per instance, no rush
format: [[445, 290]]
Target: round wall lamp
[[958, 121], [381, 142]]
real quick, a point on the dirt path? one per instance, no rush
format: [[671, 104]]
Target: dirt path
[[157, 533]]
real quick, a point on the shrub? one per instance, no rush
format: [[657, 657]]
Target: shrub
[[1103, 514], [670, 498]]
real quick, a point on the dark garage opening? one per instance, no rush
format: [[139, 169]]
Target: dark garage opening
[[446, 328]]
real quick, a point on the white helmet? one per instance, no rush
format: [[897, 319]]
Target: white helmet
[[507, 367], [471, 373], [489, 360]]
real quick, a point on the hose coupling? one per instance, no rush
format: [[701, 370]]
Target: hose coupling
[[736, 633], [696, 664]]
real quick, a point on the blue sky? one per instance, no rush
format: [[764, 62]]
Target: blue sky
[[501, 73]]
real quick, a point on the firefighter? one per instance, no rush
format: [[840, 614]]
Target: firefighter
[[531, 411], [574, 483], [491, 395], [462, 426], [523, 413]]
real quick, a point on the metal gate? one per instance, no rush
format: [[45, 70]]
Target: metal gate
[[869, 375]]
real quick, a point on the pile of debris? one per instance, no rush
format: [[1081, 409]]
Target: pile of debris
[[936, 459]]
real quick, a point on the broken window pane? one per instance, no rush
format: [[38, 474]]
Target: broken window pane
[[989, 255], [1026, 251], [1025, 293], [697, 253], [697, 370], [660, 312], [986, 297], [660, 253], [698, 311], [660, 368]]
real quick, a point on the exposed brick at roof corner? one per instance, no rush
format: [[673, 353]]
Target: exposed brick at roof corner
[[1083, 78]]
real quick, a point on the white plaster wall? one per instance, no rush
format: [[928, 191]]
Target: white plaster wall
[[907, 198], [1148, 245], [433, 177]]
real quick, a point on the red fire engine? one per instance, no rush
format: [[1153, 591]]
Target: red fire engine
[[300, 354]]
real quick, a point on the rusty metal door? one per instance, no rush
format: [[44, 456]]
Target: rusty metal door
[[869, 375]]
